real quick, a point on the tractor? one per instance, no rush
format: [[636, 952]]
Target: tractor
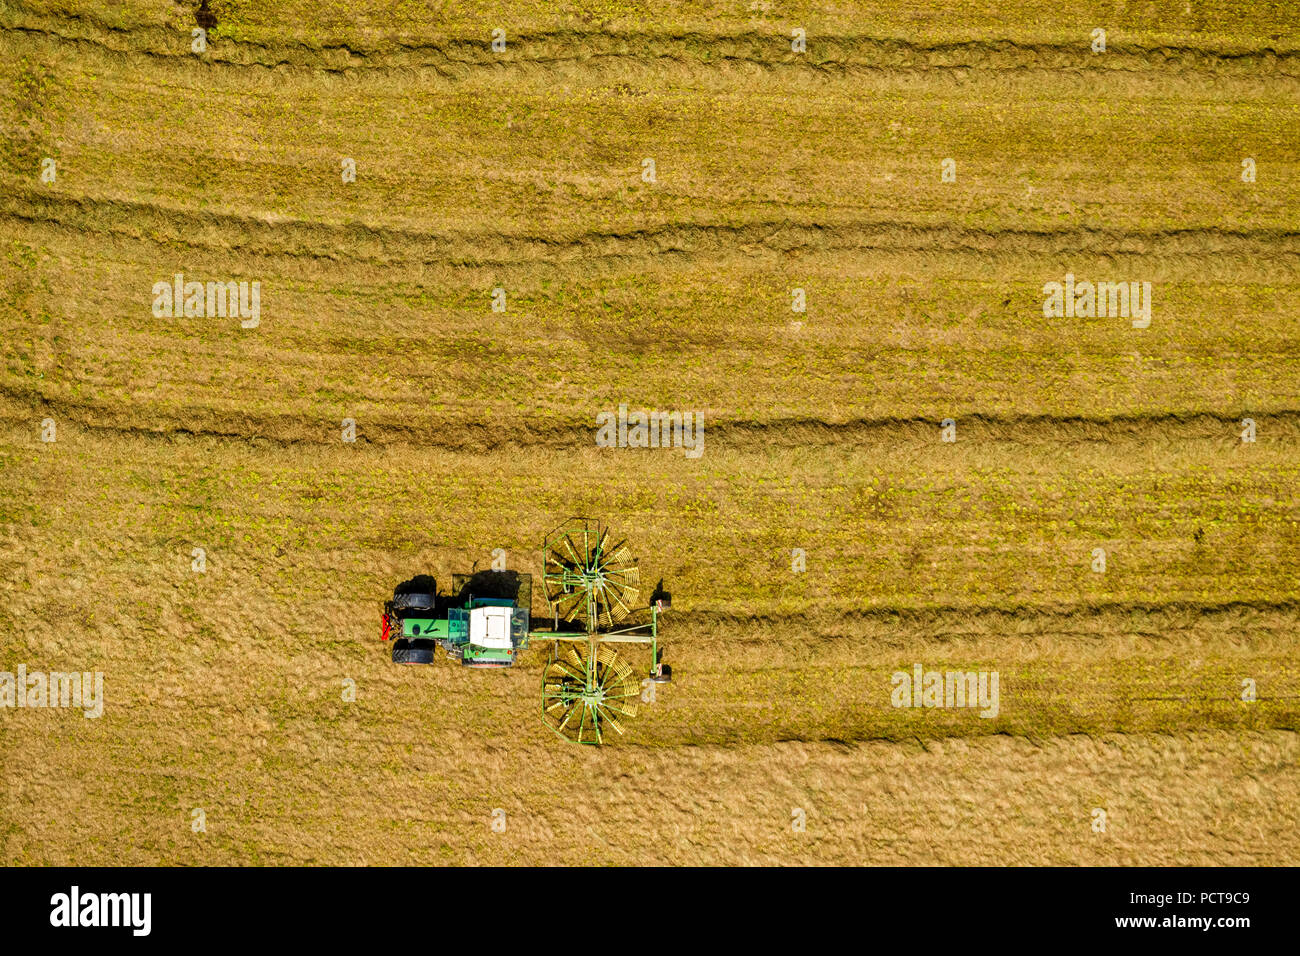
[[592, 587], [482, 623]]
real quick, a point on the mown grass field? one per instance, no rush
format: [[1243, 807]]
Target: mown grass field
[[775, 170]]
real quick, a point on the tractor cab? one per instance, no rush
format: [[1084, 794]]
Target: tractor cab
[[488, 632]]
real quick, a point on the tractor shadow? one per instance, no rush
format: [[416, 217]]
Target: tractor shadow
[[204, 17], [661, 595], [501, 585]]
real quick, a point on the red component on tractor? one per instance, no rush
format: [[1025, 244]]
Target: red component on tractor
[[387, 630]]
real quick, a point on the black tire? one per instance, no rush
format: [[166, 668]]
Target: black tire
[[412, 652], [665, 674], [413, 602]]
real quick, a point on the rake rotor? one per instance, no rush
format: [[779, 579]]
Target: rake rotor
[[589, 579], [584, 693]]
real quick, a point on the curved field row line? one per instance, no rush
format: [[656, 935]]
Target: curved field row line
[[454, 57], [387, 245], [643, 739], [489, 433]]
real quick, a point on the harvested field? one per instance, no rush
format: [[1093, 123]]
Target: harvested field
[[1123, 689]]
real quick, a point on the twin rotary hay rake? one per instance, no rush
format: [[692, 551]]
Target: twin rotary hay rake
[[592, 587], [593, 583]]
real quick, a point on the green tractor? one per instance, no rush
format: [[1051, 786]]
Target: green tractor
[[483, 622], [592, 591]]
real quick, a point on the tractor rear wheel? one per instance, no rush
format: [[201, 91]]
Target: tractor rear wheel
[[412, 652], [413, 602]]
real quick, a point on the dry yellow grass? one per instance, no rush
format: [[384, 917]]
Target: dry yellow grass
[[224, 690]]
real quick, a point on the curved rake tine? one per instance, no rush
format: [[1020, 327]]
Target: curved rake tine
[[567, 716], [577, 562], [609, 719], [611, 554], [570, 670]]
